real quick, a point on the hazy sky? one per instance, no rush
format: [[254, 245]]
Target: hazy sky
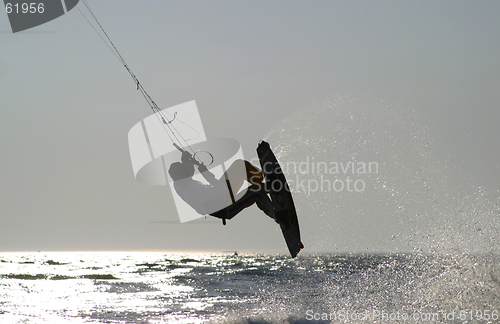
[[67, 104]]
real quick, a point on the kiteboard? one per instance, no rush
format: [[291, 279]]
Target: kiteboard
[[284, 208]]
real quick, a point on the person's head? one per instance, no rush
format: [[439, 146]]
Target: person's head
[[178, 171]]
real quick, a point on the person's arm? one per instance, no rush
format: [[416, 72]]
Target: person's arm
[[186, 159], [209, 176]]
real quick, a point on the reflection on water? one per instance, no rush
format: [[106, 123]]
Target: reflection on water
[[213, 287]]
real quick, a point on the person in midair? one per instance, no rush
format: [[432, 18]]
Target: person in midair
[[217, 197]]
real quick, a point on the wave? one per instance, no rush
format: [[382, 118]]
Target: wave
[[22, 276]]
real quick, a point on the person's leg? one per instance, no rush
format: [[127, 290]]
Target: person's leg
[[265, 204], [256, 179], [235, 174], [241, 170], [254, 175], [262, 200]]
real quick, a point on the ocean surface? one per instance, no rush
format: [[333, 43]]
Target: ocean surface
[[416, 199], [142, 287]]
